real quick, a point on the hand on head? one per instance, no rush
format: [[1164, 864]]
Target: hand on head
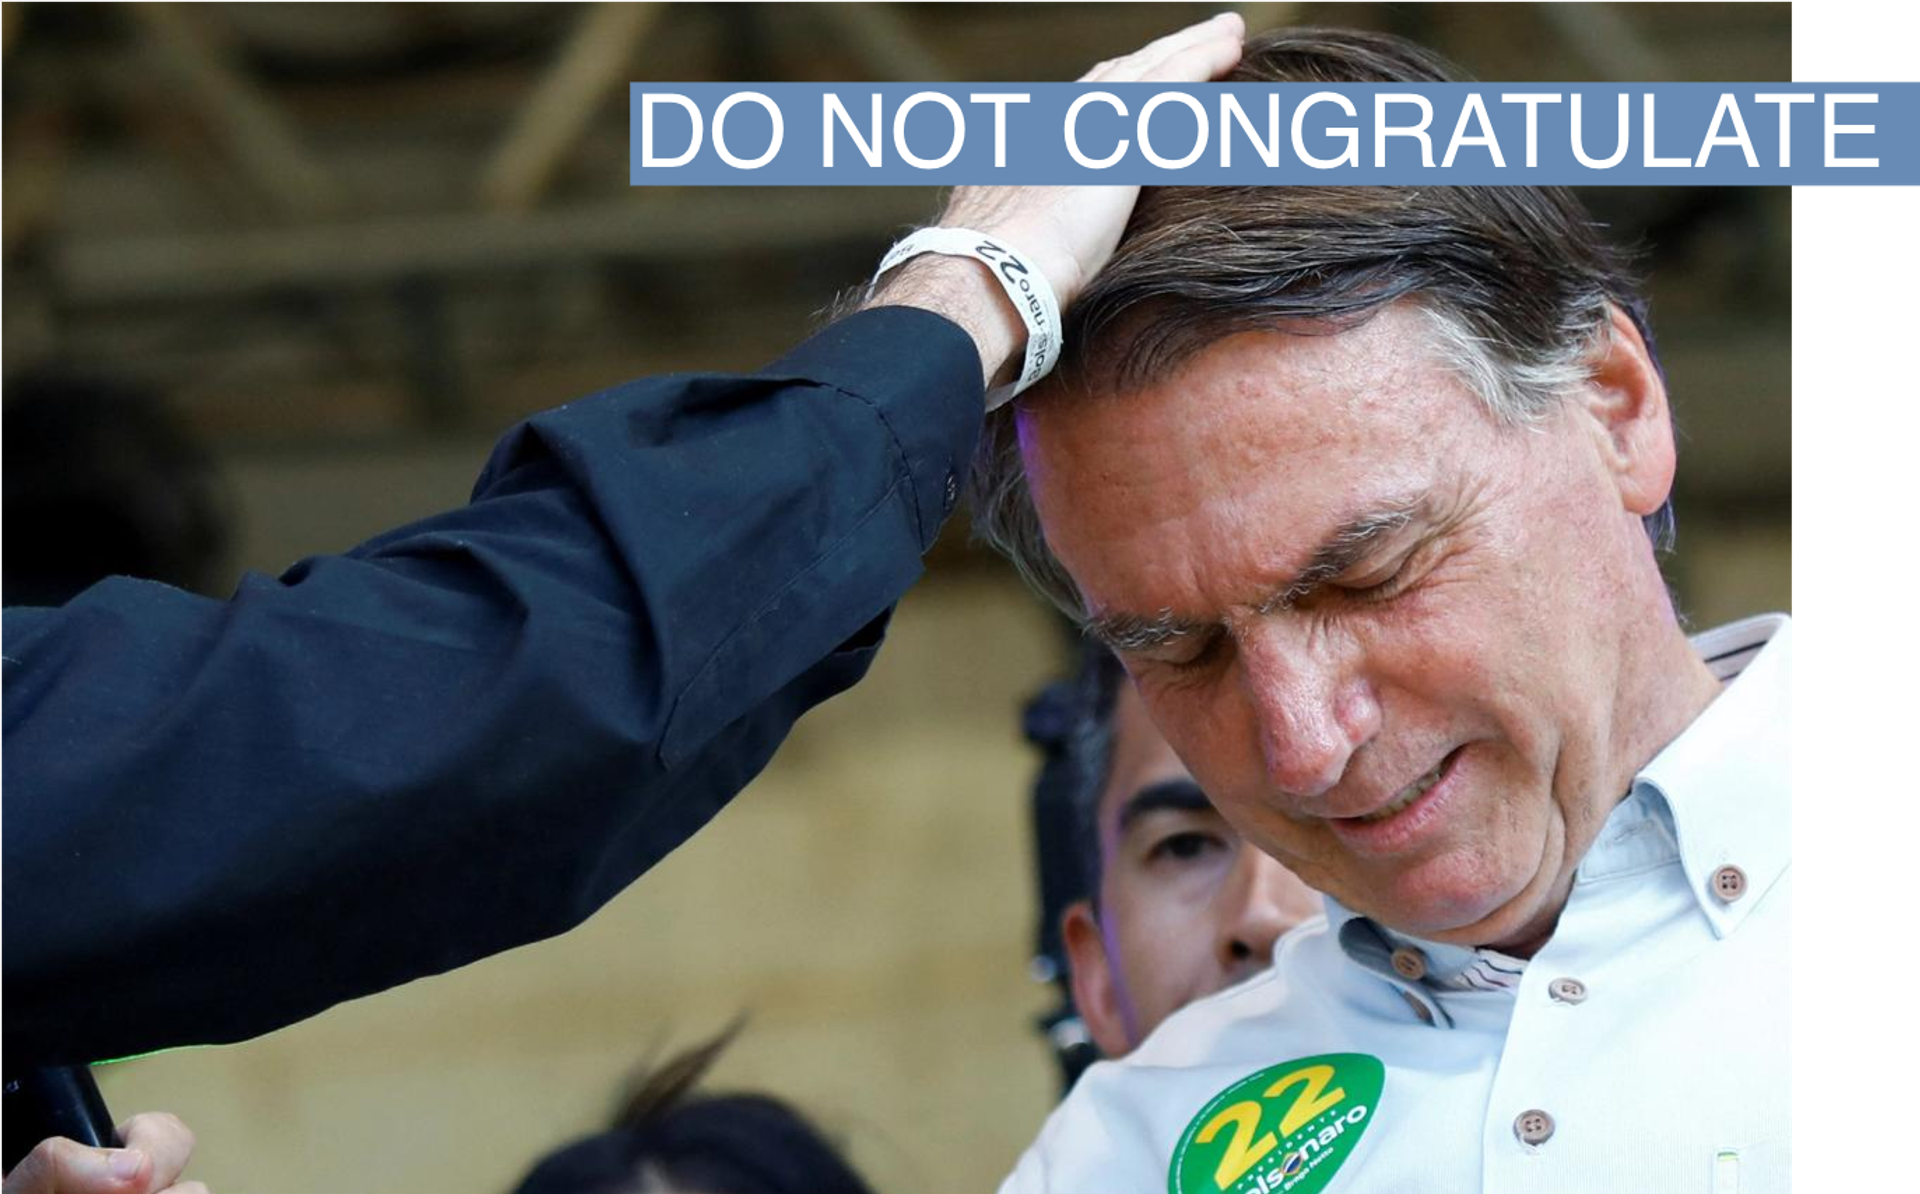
[[1071, 231], [1067, 232]]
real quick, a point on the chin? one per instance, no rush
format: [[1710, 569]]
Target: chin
[[1456, 909]]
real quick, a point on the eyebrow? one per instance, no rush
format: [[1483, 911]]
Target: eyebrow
[[1341, 550], [1177, 795]]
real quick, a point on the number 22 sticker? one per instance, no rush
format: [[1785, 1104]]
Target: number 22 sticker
[[1288, 1128]]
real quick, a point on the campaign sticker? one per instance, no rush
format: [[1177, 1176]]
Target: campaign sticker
[[1286, 1128]]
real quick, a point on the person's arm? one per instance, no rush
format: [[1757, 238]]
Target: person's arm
[[471, 732]]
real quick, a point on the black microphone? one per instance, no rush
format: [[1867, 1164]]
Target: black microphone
[[59, 1100]]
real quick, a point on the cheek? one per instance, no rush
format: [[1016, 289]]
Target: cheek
[[1554, 621], [1563, 521], [1481, 645], [1155, 930], [1162, 980], [1210, 728]]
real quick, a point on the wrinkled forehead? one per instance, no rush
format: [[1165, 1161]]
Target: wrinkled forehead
[[1249, 454]]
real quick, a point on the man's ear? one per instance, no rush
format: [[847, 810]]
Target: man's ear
[[1627, 398], [1096, 985]]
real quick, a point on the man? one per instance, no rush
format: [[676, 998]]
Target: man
[[1363, 486], [1177, 906]]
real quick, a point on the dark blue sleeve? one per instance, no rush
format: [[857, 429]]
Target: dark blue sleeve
[[469, 733]]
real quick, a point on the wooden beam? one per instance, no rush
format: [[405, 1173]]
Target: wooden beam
[[599, 51], [247, 120], [10, 15], [672, 226], [879, 36]]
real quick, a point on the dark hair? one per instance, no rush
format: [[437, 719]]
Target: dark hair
[[102, 480], [667, 1138], [1099, 682], [1072, 722], [1515, 281]]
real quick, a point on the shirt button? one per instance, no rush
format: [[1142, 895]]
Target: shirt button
[[1409, 964], [1729, 884], [1533, 1127], [1419, 1009], [1567, 990], [953, 491]]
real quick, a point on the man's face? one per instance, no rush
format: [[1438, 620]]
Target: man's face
[[1387, 634], [1186, 908]]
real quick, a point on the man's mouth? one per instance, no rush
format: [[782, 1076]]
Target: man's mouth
[[1408, 794], [1406, 820]]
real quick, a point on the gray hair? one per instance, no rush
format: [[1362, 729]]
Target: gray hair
[[1516, 283]]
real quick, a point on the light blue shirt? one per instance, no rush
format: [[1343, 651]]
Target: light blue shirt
[[1644, 1047]]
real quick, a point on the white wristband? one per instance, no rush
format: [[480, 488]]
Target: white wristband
[[1025, 285]]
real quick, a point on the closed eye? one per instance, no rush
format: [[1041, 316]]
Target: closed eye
[[1382, 590], [1189, 652], [1376, 586], [1205, 653], [1185, 846]]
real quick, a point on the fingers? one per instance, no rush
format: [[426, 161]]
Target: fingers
[[61, 1166], [164, 1138], [1132, 66], [1195, 54], [1197, 64], [1070, 232], [157, 1148]]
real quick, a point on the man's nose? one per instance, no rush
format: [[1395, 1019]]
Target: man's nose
[[1313, 707], [1258, 904]]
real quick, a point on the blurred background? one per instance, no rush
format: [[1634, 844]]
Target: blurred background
[[347, 245]]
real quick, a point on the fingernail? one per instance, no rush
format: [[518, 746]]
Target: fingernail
[[124, 1163]]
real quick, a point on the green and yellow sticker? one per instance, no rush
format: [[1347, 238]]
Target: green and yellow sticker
[[1287, 1128]]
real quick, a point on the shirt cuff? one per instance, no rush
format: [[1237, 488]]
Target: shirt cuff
[[921, 374]]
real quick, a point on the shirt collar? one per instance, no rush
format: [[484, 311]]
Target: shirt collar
[[1441, 969], [1717, 795], [1723, 783]]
